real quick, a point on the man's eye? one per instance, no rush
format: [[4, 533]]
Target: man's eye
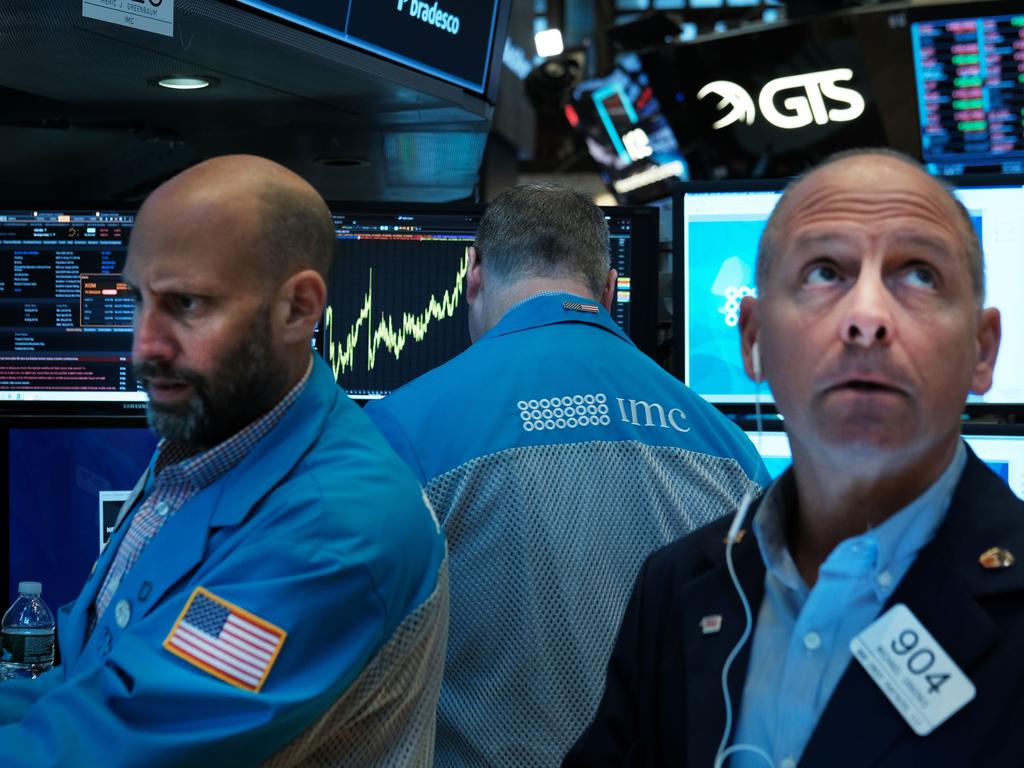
[[821, 274], [186, 303], [921, 277]]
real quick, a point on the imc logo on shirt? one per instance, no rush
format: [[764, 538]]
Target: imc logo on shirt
[[592, 410]]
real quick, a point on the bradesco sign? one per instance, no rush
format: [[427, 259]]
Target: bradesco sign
[[450, 39], [432, 14]]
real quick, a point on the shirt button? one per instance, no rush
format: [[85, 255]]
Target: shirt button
[[812, 642], [162, 508], [884, 579], [787, 762], [122, 613]]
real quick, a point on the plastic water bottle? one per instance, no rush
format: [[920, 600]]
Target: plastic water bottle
[[28, 631]]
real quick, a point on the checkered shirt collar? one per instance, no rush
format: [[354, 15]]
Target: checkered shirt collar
[[176, 464]]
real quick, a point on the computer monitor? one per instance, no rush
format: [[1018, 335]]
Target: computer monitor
[[62, 476], [716, 231], [1002, 449], [67, 313], [457, 41], [396, 304], [969, 86]]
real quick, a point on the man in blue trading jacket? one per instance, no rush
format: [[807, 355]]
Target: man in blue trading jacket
[[276, 587], [887, 607], [557, 457]]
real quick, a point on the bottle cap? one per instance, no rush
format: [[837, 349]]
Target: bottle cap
[[30, 587]]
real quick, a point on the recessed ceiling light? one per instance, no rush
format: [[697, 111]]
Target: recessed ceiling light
[[184, 82]]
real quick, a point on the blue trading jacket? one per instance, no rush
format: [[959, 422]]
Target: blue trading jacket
[[557, 457], [320, 531]]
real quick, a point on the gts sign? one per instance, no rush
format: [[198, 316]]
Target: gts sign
[[803, 100]]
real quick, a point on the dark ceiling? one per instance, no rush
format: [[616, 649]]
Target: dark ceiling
[[79, 119]]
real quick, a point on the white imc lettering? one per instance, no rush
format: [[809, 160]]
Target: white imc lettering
[[665, 419]]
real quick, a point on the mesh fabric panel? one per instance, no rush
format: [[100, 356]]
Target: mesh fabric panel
[[387, 716], [545, 543]]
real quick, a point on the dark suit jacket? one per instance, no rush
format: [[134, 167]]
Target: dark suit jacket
[[663, 703]]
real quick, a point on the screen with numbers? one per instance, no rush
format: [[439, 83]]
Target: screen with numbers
[[66, 328]]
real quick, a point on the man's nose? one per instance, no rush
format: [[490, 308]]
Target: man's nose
[[867, 318], [152, 339]]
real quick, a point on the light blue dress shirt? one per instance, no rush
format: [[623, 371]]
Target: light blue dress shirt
[[800, 646]]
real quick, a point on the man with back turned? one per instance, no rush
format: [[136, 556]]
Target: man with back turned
[[886, 598], [557, 457], [275, 591]]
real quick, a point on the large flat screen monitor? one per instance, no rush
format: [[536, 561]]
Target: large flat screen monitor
[[456, 40], [1001, 448], [64, 477], [396, 305], [716, 231], [969, 80], [66, 328]]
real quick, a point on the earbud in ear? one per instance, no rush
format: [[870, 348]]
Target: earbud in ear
[[755, 360]]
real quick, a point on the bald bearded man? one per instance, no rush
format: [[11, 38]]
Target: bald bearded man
[[275, 590]]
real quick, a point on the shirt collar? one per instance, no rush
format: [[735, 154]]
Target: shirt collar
[[550, 307], [174, 463], [892, 546]]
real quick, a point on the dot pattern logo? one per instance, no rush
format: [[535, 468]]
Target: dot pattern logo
[[566, 412], [733, 296]]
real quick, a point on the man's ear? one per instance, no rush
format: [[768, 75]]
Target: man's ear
[[990, 332], [608, 292], [300, 301], [474, 276], [750, 330]]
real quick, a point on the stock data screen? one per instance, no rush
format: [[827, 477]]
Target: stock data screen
[[66, 312], [396, 297], [970, 91]]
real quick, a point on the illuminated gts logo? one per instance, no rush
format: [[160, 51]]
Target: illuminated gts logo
[[801, 109]]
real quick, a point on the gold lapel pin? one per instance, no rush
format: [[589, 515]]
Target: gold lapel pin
[[996, 557], [740, 535]]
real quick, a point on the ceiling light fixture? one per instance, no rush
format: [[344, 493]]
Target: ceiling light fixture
[[184, 82]]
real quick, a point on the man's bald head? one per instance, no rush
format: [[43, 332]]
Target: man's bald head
[[280, 216], [792, 199]]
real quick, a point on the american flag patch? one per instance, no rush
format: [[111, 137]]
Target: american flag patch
[[228, 642], [576, 306]]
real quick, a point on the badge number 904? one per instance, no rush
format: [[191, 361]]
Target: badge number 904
[[912, 669]]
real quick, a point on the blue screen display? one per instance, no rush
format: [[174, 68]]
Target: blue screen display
[[55, 478]]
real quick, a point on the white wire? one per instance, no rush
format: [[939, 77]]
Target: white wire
[[723, 752]]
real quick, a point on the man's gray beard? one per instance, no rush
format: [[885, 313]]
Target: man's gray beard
[[245, 385], [185, 427]]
